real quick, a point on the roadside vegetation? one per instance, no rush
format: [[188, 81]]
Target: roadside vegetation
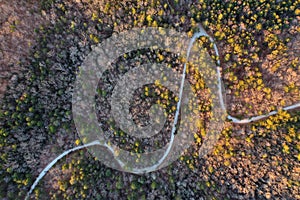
[[259, 43]]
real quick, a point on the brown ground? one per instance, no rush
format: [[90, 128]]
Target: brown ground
[[18, 21]]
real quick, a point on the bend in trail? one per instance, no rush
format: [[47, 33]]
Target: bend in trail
[[201, 32]]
